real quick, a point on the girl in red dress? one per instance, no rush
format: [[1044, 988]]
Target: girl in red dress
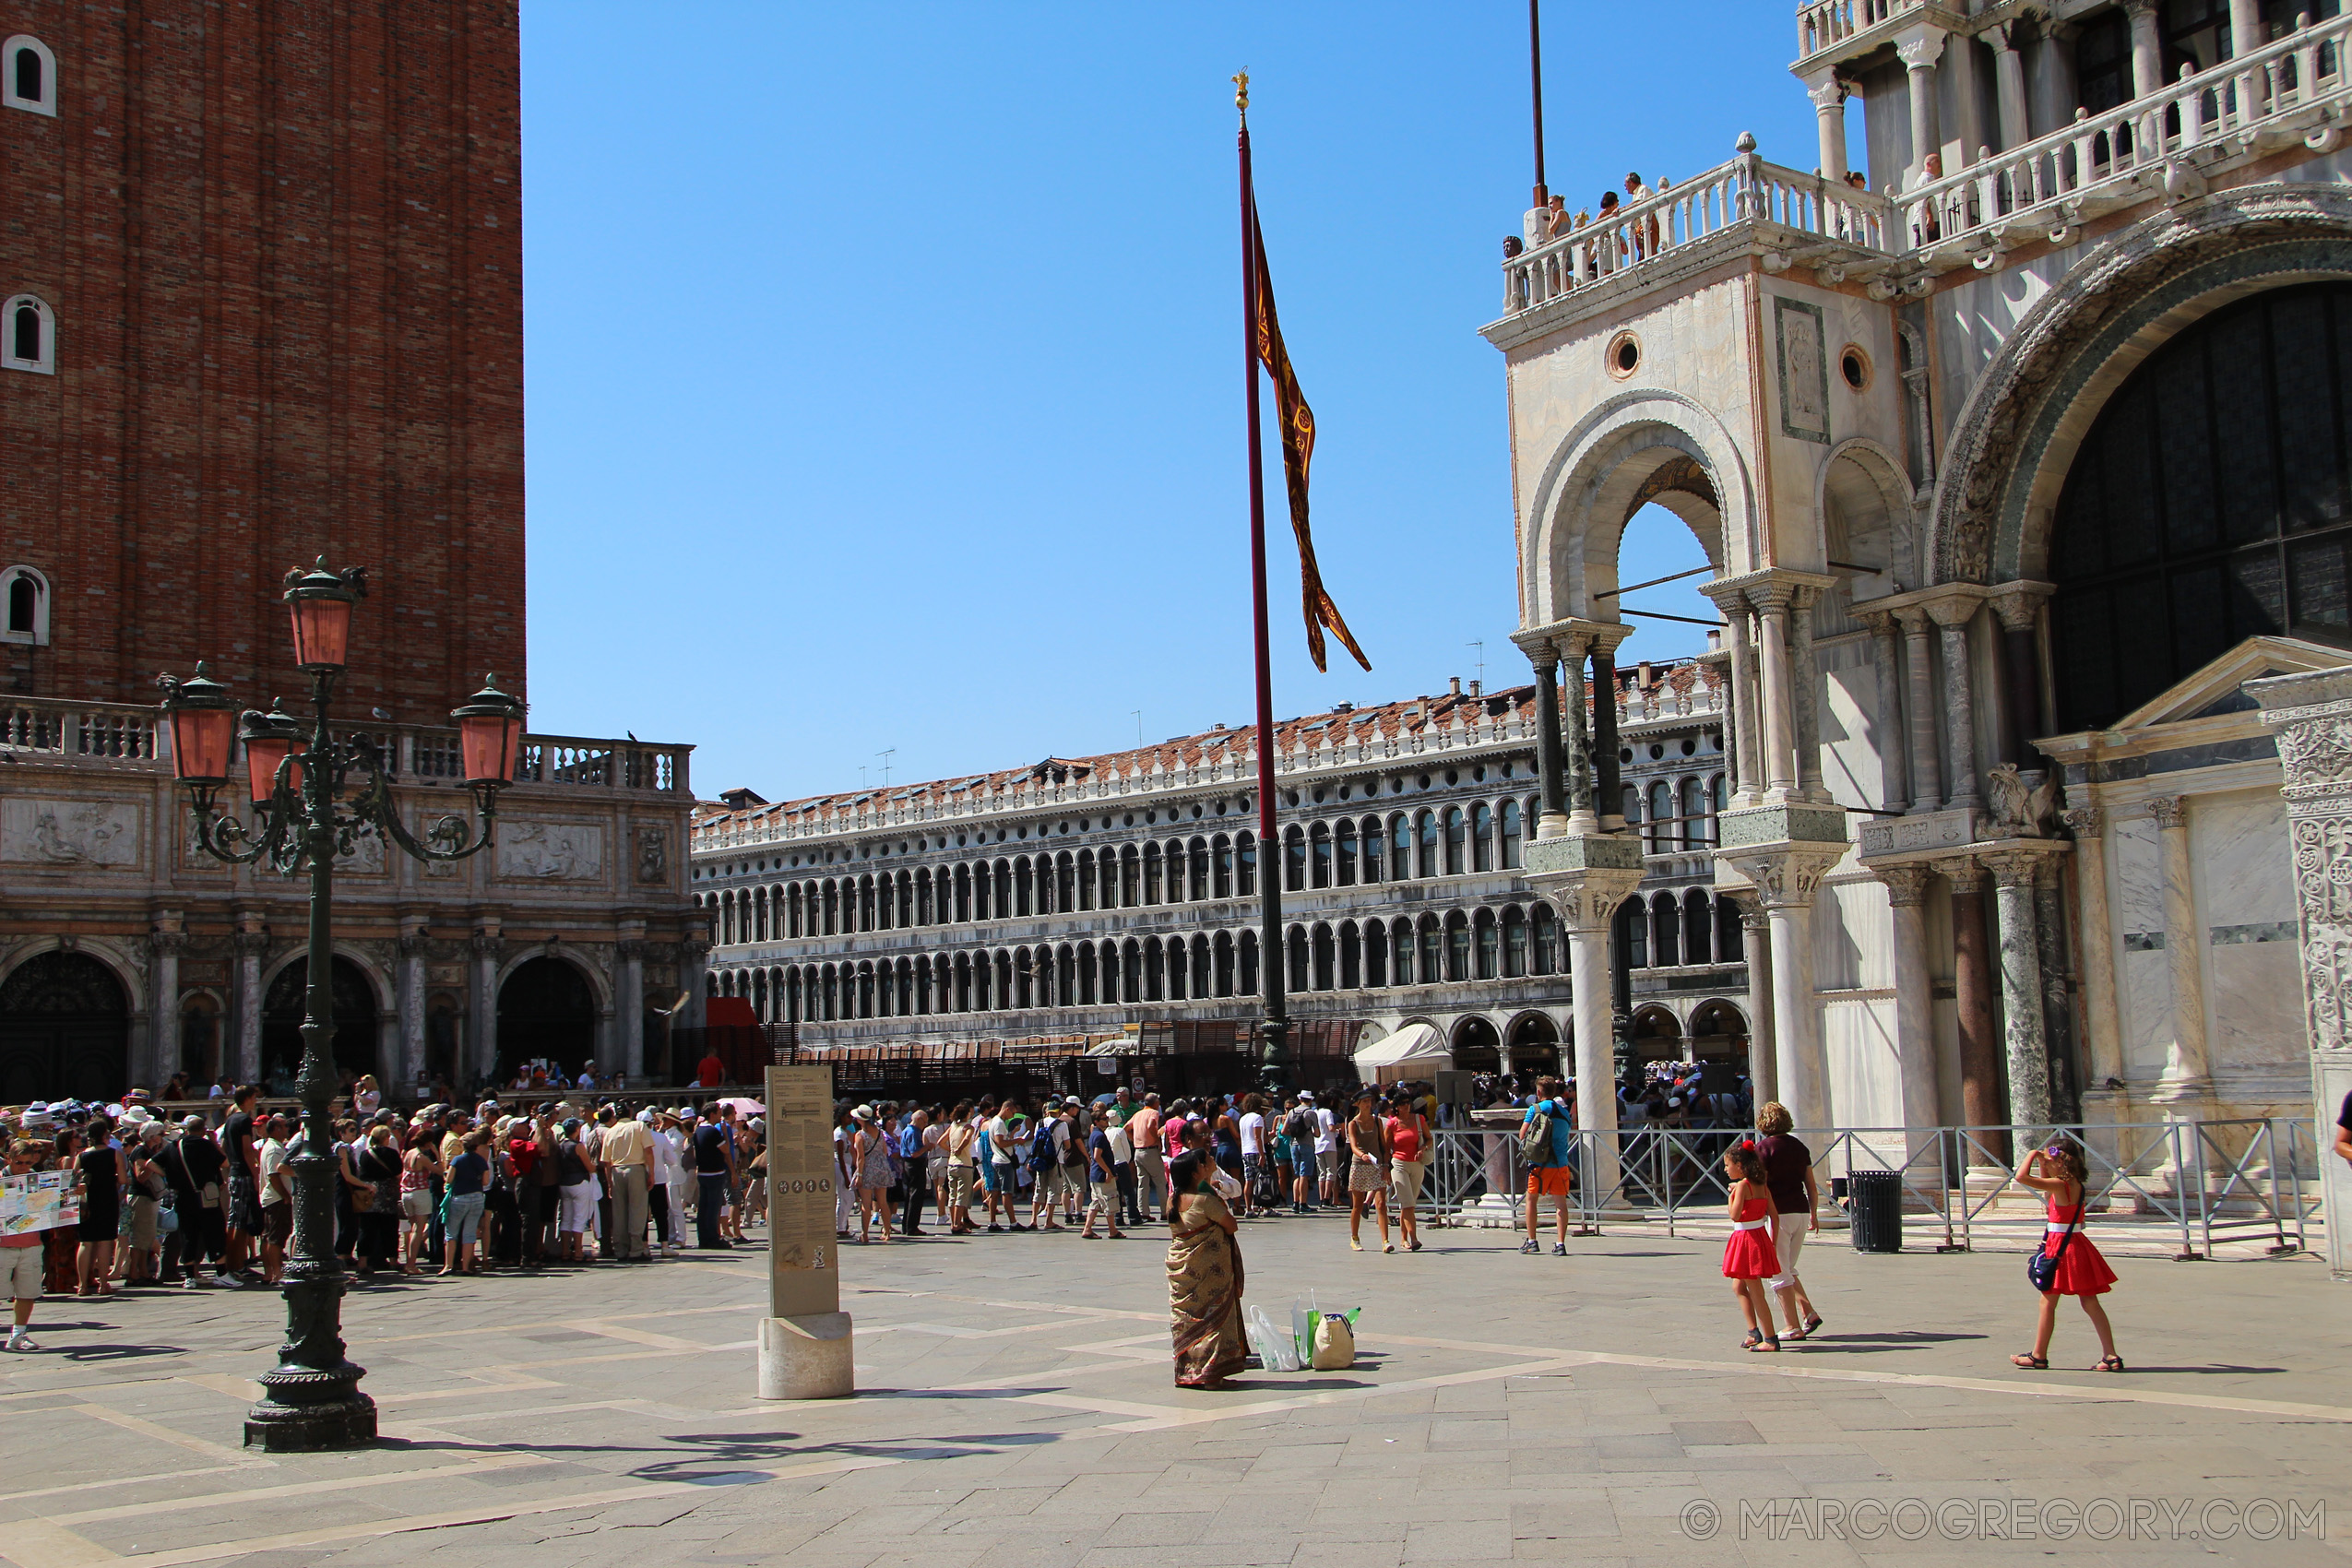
[[1749, 1258], [2059, 1173]]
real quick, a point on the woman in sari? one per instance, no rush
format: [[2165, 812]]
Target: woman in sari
[[1204, 1281]]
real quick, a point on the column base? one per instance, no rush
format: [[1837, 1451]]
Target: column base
[[307, 1411], [806, 1358]]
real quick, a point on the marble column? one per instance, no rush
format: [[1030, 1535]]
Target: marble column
[[1828, 93], [484, 949], [161, 1056], [2247, 32], [1755, 935], [2014, 874], [2023, 721], [1771, 601], [1800, 1063], [1927, 787], [1967, 101], [1888, 738], [1918, 51], [1609, 804], [2103, 1022], [1587, 912], [2009, 84], [1980, 1098], [2190, 1072], [629, 1008], [1747, 711], [1577, 760], [2147, 46], [2058, 991], [1952, 617], [1550, 763], [1804, 692], [411, 978], [246, 948], [1907, 891]]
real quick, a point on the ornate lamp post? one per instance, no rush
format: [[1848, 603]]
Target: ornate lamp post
[[312, 798]]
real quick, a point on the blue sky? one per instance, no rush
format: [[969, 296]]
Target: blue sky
[[883, 362]]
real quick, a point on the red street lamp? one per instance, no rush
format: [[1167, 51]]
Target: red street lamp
[[305, 818]]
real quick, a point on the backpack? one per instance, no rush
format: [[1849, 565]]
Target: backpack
[[1535, 1137], [1041, 1154], [1300, 1128]]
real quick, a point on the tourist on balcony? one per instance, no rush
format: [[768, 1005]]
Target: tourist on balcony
[[1645, 231]]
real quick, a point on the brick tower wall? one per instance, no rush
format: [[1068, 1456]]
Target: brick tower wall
[[283, 239]]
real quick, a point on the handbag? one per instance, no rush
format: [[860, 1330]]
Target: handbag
[[2042, 1268]]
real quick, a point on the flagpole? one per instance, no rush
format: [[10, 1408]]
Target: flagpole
[[1535, 75], [1272, 955]]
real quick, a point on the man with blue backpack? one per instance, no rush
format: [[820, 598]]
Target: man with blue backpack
[[1544, 1143]]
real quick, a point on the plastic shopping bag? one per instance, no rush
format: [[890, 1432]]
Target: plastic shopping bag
[[1277, 1352]]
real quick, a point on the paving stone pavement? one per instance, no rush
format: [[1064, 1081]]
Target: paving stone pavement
[[1017, 1410]]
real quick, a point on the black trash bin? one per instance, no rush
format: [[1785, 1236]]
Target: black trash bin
[[1876, 1210]]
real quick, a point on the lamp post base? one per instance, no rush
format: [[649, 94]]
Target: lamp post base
[[307, 1411]]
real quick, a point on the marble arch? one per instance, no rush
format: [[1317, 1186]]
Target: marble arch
[[2017, 435], [599, 985], [1589, 486], [127, 970]]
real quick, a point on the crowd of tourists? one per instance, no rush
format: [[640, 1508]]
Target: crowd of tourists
[[1011, 1164], [202, 1203]]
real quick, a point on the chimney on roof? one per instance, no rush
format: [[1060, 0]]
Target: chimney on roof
[[1715, 641], [1454, 686], [1474, 687]]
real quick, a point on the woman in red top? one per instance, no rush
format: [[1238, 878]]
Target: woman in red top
[[2059, 1173], [1409, 1150], [1749, 1258]]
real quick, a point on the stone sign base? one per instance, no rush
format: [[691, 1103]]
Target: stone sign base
[[806, 1358]]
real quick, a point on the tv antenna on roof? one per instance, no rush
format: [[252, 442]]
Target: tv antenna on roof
[[1480, 646]]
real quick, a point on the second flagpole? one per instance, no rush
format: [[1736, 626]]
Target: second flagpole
[[1275, 1028]]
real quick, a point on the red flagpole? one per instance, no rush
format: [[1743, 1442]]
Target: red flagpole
[[1272, 955]]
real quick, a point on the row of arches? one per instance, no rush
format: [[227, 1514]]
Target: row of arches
[[1669, 929], [1466, 840], [1459, 945], [1676, 813]]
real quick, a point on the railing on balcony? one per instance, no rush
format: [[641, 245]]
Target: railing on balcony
[[1745, 190], [2270, 95], [131, 735], [2291, 89], [1825, 24], [104, 731]]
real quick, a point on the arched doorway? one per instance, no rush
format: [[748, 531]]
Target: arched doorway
[[1719, 1034], [1477, 1047], [351, 1005], [2210, 502], [65, 1031], [546, 1012], [1535, 1044], [1658, 1036]]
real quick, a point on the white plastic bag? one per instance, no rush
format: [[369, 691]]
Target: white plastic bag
[[1334, 1349], [1277, 1352]]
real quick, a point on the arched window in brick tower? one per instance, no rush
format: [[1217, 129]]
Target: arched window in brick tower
[[27, 335], [24, 596], [27, 75]]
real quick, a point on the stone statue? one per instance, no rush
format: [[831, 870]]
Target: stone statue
[[2020, 809]]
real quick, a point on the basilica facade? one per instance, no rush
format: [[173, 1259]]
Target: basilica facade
[[2017, 440]]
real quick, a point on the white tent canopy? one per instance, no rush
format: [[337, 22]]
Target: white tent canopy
[[1416, 1045]]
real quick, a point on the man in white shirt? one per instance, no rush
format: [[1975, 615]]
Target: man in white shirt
[[1327, 1155], [277, 1200], [1253, 1172], [1008, 1144]]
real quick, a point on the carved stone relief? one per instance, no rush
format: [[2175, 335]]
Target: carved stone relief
[[66, 834]]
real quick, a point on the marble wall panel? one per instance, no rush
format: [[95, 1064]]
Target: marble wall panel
[[2238, 848], [1851, 731], [2254, 992], [1865, 1077], [2143, 975]]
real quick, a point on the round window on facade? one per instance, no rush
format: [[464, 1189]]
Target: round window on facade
[[1657, 751], [1855, 366], [1690, 748], [1624, 356]]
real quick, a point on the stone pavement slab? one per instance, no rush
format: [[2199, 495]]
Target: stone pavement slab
[[1017, 1406]]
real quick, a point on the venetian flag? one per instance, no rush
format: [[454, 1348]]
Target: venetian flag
[[1298, 451]]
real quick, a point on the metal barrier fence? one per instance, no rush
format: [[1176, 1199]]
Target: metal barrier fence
[[2248, 1179]]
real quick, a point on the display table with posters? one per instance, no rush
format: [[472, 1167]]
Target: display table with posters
[[804, 1343]]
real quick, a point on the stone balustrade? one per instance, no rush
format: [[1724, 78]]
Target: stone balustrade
[[2291, 89], [1827, 26], [133, 737], [1746, 191]]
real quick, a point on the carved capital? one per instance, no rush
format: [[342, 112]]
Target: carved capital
[[1828, 92], [2014, 868], [1907, 887], [630, 950], [2086, 822], [412, 941], [486, 942], [2168, 810], [1920, 48], [249, 943]]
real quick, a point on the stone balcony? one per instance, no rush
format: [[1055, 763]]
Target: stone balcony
[[1832, 32], [44, 731], [2170, 145]]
